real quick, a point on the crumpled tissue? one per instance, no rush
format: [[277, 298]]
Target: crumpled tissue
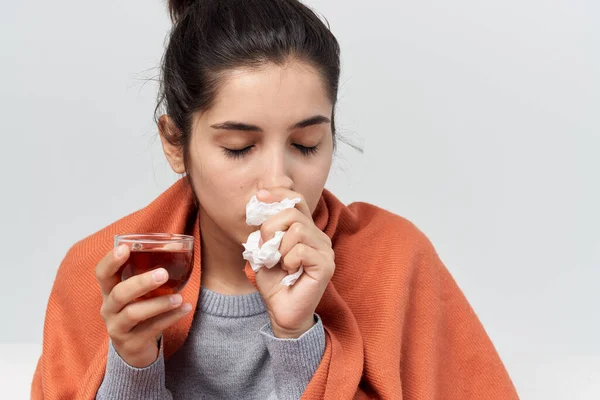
[[268, 254]]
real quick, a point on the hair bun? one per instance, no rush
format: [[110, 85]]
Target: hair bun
[[178, 7]]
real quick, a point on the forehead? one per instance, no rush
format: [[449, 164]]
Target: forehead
[[276, 93]]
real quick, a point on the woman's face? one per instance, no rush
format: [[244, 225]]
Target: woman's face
[[268, 127]]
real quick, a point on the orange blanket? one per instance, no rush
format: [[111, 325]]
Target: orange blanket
[[397, 326]]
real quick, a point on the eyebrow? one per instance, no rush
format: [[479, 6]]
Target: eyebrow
[[240, 126]]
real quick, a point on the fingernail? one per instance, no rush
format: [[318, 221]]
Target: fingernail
[[186, 308], [263, 193], [120, 250], [176, 299], [160, 275]]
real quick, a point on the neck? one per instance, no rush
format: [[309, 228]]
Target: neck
[[222, 262]]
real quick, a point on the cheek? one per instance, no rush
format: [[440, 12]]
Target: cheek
[[310, 180], [315, 190], [224, 190], [221, 188], [213, 175]]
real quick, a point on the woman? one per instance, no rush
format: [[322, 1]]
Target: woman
[[249, 89]]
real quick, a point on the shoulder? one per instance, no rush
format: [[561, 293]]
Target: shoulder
[[393, 230], [85, 254], [168, 212], [389, 246], [376, 248]]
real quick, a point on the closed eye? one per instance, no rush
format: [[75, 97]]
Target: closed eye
[[239, 153], [307, 151], [236, 154]]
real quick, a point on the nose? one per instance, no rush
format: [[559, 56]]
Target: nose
[[276, 170]]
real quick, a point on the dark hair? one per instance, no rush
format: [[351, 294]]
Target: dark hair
[[210, 37]]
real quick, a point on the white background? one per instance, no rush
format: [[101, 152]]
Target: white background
[[480, 123]]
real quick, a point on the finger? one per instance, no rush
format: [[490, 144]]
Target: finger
[[140, 311], [300, 255], [132, 288], [282, 222], [300, 233], [272, 195], [152, 327], [268, 281], [107, 268]]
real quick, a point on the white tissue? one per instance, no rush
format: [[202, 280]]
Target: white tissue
[[268, 254], [258, 212]]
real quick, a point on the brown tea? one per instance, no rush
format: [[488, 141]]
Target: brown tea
[[178, 263]]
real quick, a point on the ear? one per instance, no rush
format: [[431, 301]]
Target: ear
[[174, 153]]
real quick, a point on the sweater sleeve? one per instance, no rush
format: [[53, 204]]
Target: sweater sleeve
[[122, 381], [294, 361]]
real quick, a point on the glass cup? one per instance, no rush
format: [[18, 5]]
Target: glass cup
[[149, 251]]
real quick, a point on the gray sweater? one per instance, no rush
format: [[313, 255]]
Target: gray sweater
[[230, 353]]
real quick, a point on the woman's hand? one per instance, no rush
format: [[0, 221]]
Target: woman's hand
[[291, 309], [135, 326]]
